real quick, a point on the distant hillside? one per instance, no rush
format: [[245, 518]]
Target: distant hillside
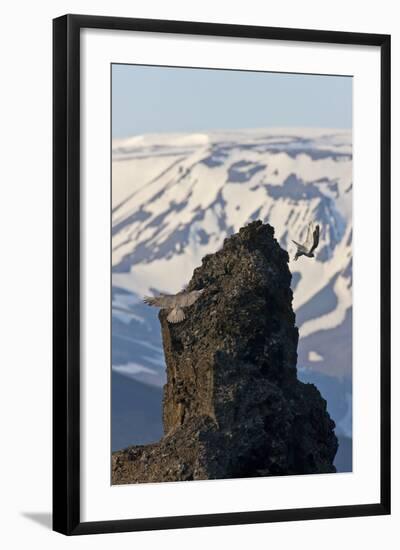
[[136, 412], [344, 456]]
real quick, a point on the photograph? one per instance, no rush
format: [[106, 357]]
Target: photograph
[[231, 261], [198, 198]]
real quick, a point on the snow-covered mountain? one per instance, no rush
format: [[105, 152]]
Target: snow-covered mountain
[[175, 198]]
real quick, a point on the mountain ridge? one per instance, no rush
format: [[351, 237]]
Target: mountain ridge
[[176, 198]]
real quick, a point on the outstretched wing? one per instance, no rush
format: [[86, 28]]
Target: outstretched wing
[[190, 298], [300, 247], [164, 300], [315, 239], [308, 243]]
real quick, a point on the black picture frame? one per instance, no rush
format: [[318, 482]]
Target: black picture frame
[[66, 273]]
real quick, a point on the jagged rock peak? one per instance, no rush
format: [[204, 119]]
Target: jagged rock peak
[[233, 406]]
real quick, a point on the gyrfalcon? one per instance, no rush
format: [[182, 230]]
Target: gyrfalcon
[[175, 303], [310, 244]]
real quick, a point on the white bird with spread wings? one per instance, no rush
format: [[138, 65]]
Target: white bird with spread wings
[[310, 244], [175, 303]]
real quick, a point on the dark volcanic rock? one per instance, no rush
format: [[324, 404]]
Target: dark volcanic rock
[[233, 406]]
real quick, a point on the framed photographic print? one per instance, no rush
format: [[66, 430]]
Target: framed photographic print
[[221, 274]]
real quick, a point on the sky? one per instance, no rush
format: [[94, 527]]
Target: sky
[[150, 99]]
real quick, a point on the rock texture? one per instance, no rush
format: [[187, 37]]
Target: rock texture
[[233, 406]]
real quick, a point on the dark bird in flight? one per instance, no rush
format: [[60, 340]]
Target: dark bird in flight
[[175, 303], [310, 244]]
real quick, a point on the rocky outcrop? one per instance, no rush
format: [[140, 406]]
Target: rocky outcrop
[[233, 406]]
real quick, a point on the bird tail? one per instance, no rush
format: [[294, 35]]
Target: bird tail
[[176, 315]]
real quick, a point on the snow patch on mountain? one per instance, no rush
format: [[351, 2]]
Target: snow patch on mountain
[[314, 356]]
